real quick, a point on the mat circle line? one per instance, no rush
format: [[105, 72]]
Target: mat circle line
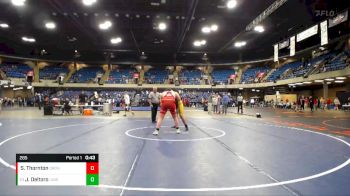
[[127, 132], [325, 122]]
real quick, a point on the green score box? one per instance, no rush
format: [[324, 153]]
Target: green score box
[[92, 180]]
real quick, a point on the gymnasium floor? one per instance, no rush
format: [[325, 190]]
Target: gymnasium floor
[[283, 153]]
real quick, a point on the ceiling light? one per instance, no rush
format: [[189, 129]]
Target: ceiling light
[[214, 27], [253, 90], [116, 40], [329, 79], [240, 88], [240, 44], [18, 2], [6, 86], [308, 82], [340, 78], [319, 81], [231, 4], [26, 39], [339, 81], [291, 84], [89, 2], [4, 25], [50, 25], [29, 87], [259, 29], [257, 90], [162, 26], [329, 82], [206, 29], [197, 43], [105, 25], [298, 83]]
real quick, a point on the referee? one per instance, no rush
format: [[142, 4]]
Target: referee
[[153, 99]]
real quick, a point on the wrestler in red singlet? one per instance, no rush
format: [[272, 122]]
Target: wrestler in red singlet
[[168, 102]]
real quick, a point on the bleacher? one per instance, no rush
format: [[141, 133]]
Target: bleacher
[[120, 76], [277, 74], [51, 72], [305, 68], [250, 75], [190, 77], [221, 76], [15, 70], [156, 76], [85, 74]]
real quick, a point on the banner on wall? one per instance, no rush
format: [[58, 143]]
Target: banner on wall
[[292, 46], [341, 17], [30, 73], [260, 74], [324, 32], [283, 44], [275, 53], [4, 82], [136, 75], [307, 33]]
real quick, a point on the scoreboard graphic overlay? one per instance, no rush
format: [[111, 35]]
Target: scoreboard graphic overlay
[[57, 170]]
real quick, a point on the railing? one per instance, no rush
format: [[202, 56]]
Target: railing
[[332, 74]]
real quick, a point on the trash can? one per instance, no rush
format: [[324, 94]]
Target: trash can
[[107, 109]]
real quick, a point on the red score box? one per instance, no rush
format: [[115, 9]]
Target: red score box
[[92, 168]]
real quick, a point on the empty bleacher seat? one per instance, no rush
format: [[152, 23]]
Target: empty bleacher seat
[[221, 76], [85, 74], [190, 77], [15, 70], [156, 76], [250, 75], [120, 76], [277, 74], [51, 72]]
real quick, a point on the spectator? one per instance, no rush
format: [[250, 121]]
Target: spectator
[[219, 106], [225, 102], [329, 102], [215, 103], [336, 103], [240, 103], [302, 102], [311, 103]]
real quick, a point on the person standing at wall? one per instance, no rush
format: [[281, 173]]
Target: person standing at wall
[[40, 100], [215, 103], [311, 103], [336, 103], [302, 101], [153, 99], [240, 103], [210, 103], [225, 102]]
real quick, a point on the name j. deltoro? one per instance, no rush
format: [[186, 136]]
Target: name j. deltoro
[[35, 179]]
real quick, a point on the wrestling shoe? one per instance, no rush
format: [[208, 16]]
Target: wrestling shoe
[[156, 132], [186, 127], [178, 131]]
